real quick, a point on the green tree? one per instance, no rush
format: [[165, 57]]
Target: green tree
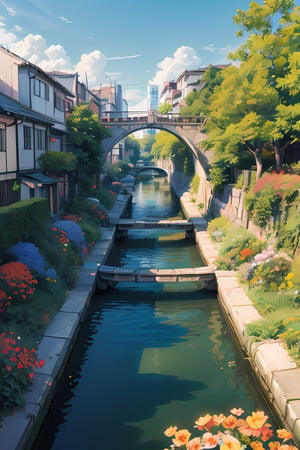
[[169, 146], [132, 146], [85, 133], [257, 103], [197, 102], [164, 108], [146, 143], [274, 36]]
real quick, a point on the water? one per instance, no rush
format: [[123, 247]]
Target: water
[[150, 355]]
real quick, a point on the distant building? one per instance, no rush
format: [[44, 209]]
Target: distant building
[[175, 92], [152, 97], [152, 102]]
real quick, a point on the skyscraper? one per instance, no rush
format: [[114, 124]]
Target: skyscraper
[[152, 97]]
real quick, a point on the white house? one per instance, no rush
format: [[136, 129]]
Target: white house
[[32, 120]]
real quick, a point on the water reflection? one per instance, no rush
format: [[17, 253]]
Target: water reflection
[[149, 355]]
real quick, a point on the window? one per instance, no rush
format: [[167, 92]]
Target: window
[[40, 139], [59, 102], [41, 89], [2, 138], [27, 137]]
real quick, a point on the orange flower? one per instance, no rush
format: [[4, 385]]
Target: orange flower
[[256, 445], [194, 444], [256, 420], [170, 431], [181, 437], [210, 440], [229, 422], [284, 434], [274, 445], [218, 419], [205, 422], [237, 411]]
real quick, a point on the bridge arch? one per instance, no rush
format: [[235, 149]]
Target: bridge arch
[[188, 129]]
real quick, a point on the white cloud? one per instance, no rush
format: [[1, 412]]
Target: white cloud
[[137, 98], [92, 65], [35, 49], [11, 11], [6, 37], [124, 57], [184, 58]]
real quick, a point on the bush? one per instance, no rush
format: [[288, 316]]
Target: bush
[[218, 227], [271, 274], [240, 245], [22, 221], [17, 365]]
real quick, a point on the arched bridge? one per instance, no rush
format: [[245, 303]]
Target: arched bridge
[[187, 128], [159, 170]]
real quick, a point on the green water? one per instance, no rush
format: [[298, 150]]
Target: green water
[[150, 355]]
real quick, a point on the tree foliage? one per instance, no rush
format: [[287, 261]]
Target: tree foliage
[[253, 105], [85, 133], [58, 162], [169, 146], [132, 146]]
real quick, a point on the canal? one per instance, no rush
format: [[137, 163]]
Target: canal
[[149, 355]]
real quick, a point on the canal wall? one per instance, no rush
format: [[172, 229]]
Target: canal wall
[[275, 370]]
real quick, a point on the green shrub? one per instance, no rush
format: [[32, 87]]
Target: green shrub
[[218, 227], [218, 178], [58, 162], [264, 329], [272, 273], [223, 263], [22, 221], [91, 233]]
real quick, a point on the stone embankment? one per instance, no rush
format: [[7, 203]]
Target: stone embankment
[[275, 370]]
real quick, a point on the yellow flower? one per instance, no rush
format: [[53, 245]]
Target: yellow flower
[[181, 437], [284, 434], [256, 420], [289, 276], [170, 431]]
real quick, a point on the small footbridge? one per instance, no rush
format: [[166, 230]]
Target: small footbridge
[[124, 225], [108, 276]]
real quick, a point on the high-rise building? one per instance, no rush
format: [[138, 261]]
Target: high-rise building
[[152, 97]]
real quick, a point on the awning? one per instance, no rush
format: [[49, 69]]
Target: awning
[[38, 178]]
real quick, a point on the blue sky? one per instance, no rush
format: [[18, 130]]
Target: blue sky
[[128, 41]]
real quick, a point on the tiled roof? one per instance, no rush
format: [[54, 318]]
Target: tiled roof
[[9, 106]]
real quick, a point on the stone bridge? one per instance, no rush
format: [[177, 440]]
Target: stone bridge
[[186, 128]]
